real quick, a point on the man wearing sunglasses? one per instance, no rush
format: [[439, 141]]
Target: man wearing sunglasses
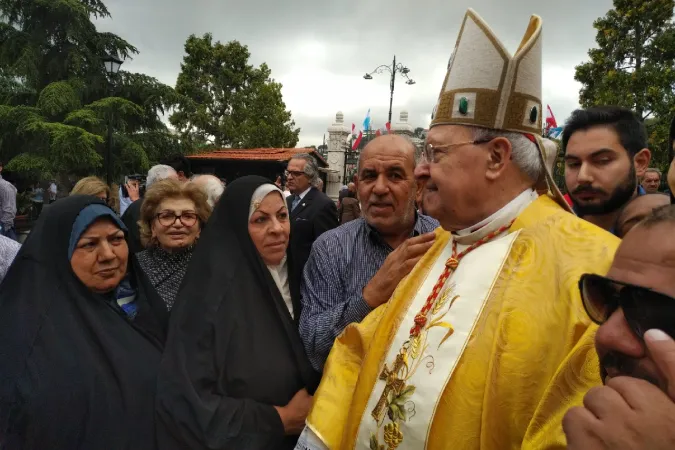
[[635, 308]]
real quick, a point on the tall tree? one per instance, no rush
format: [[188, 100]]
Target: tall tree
[[55, 103], [226, 102], [634, 66]]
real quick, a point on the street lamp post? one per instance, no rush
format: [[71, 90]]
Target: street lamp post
[[112, 66], [393, 70]]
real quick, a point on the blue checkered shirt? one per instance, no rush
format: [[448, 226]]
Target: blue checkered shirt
[[342, 262]]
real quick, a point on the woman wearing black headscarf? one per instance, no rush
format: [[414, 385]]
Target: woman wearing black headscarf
[[79, 343], [234, 374]]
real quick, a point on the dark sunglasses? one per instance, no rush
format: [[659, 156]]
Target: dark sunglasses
[[643, 308]]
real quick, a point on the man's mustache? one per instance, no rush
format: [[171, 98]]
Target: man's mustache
[[626, 366], [585, 189]]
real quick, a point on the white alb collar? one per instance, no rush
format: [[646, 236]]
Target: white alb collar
[[502, 217]]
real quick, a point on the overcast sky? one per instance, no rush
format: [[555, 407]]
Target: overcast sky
[[320, 50]]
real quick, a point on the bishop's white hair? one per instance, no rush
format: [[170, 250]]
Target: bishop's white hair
[[158, 173], [524, 152]]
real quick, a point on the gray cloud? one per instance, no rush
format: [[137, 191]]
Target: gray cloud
[[320, 50]]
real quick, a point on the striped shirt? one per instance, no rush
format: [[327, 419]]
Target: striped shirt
[[342, 262], [8, 251], [7, 204]]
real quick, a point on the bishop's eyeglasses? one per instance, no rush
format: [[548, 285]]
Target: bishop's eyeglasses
[[434, 153]]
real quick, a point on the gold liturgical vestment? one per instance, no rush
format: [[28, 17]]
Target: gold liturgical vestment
[[507, 350]]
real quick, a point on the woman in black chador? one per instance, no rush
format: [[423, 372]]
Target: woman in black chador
[[234, 374], [80, 345]]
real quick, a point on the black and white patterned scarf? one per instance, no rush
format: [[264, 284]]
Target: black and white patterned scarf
[[165, 270]]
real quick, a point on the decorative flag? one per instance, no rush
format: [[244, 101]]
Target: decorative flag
[[357, 141], [386, 129], [366, 121], [353, 129], [550, 118], [554, 133]]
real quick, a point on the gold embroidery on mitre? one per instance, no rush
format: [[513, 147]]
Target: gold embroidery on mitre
[[504, 87]]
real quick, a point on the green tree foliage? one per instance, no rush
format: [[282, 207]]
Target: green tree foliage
[[226, 102], [633, 66], [56, 101]]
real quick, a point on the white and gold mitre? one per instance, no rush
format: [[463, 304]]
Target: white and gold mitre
[[487, 87]]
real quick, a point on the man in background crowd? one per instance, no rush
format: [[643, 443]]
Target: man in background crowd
[[312, 213], [133, 213], [349, 206], [7, 207], [53, 191], [182, 167], [132, 188], [356, 267], [651, 181], [605, 155], [212, 185]]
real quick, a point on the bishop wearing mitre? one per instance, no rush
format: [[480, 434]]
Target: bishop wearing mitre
[[485, 345]]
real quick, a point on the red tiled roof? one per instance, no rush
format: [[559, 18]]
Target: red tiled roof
[[259, 154]]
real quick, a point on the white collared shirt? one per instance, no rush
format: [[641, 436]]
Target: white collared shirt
[[301, 196], [507, 213]]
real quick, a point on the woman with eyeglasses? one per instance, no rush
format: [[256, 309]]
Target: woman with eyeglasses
[[172, 217]]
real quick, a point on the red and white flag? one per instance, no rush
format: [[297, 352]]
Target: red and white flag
[[357, 141], [550, 118], [386, 129]]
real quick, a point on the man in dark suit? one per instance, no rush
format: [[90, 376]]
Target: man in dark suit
[[311, 212]]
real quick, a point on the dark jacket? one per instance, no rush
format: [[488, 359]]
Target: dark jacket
[[130, 219], [315, 215], [349, 210]]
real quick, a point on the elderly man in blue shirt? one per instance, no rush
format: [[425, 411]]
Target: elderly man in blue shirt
[[356, 267]]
